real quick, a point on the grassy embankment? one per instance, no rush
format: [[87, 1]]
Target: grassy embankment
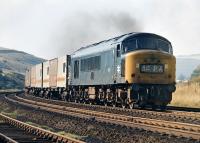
[[187, 95]]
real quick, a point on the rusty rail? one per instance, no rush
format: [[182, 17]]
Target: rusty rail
[[38, 131], [5, 138]]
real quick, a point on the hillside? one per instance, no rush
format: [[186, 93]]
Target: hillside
[[17, 61], [193, 56], [13, 65]]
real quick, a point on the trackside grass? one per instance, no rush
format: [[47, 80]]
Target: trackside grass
[[187, 95]]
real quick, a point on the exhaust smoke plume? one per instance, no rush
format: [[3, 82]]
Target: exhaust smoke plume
[[51, 28], [85, 29]]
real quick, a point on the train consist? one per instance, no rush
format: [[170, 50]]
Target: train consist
[[135, 69]]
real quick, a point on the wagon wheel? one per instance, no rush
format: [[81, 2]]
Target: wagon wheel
[[90, 102]]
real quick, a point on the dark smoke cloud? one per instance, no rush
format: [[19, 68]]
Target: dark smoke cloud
[[83, 29], [50, 28]]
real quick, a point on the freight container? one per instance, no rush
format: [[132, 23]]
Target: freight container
[[28, 78], [39, 76], [61, 73], [33, 76], [53, 66]]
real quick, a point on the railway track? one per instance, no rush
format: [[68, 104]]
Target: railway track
[[161, 126], [171, 115], [12, 134], [174, 108], [187, 109], [13, 131]]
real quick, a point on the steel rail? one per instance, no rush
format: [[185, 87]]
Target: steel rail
[[161, 126], [188, 109], [38, 131], [173, 113], [6, 138]]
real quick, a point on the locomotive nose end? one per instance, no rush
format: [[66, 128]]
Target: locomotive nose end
[[171, 88], [135, 87], [150, 67]]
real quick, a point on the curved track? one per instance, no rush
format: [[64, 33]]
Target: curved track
[[12, 134], [21, 132], [170, 115], [161, 126]]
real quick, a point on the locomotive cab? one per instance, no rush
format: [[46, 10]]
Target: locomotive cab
[[149, 69]]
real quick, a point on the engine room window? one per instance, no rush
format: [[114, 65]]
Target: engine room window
[[76, 69], [64, 67], [92, 63], [123, 68]]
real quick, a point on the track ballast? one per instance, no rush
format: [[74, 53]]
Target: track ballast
[[161, 126]]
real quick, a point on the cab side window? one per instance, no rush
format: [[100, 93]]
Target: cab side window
[[118, 50]]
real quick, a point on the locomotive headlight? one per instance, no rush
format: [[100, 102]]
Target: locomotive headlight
[[137, 66], [166, 66]]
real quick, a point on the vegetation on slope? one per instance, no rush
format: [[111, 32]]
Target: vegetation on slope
[[196, 74], [13, 65], [11, 80], [187, 94]]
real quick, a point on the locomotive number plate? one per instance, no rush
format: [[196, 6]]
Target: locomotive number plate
[[151, 68]]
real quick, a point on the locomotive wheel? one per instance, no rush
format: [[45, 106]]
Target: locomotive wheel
[[124, 103], [153, 107], [123, 106], [131, 105], [142, 106]]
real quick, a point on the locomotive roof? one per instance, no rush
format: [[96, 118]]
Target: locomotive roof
[[106, 44]]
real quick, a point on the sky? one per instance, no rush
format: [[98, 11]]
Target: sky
[[53, 28]]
